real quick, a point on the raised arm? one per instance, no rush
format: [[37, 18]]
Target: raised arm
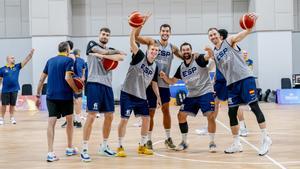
[[133, 46], [28, 57], [177, 52], [143, 39]]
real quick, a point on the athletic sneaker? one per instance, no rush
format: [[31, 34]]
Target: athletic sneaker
[[138, 124], [234, 148], [85, 157], [51, 157], [169, 144], [71, 151], [77, 124], [243, 132], [265, 146], [106, 151], [64, 125], [149, 145], [121, 152], [182, 146], [212, 147], [202, 131], [13, 120], [1, 121], [144, 150]]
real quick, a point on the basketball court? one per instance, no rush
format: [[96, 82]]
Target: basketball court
[[24, 144]]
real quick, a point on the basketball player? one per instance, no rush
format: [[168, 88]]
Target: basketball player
[[10, 87], [164, 60], [221, 94], [195, 74], [142, 71], [100, 96], [240, 85], [60, 87]]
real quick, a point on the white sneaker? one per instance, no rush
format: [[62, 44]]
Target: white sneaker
[[202, 131], [182, 146], [138, 124], [243, 132], [51, 157], [13, 120], [85, 157], [234, 148], [265, 146], [1, 121], [106, 151], [212, 147]]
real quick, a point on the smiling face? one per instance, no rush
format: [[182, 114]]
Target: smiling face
[[152, 52], [186, 51], [214, 36], [165, 32]]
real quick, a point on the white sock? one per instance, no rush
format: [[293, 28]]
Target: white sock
[[104, 144], [242, 124], [184, 137], [168, 133], [264, 132], [77, 118], [85, 145], [143, 140], [211, 137], [121, 141], [149, 135], [236, 139]]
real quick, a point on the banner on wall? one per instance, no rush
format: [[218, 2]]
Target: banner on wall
[[288, 96]]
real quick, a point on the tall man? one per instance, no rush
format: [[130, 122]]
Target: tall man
[[60, 87], [164, 60], [10, 87], [240, 85], [100, 97]]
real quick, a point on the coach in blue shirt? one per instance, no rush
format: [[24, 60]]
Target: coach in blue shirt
[[10, 76], [60, 87]]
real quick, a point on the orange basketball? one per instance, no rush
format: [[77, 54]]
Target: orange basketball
[[247, 21], [78, 82], [136, 19], [109, 64]]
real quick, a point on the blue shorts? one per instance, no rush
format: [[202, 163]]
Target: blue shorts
[[131, 103], [221, 92], [191, 105], [101, 99], [242, 92], [164, 95]]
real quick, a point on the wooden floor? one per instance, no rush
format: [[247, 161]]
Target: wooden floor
[[25, 146]]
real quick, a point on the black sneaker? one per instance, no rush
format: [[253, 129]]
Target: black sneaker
[[169, 144], [78, 125], [64, 125]]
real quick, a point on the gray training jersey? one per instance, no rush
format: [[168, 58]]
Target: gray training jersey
[[231, 63], [196, 79], [164, 61], [138, 78], [96, 71]]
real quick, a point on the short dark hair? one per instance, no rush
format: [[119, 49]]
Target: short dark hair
[[223, 33], [76, 52], [71, 44], [105, 29], [213, 28], [185, 44], [165, 26], [63, 46]]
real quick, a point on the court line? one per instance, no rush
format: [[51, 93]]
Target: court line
[[253, 146]]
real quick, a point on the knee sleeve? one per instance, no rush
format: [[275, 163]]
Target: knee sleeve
[[258, 113], [232, 113], [184, 128]]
